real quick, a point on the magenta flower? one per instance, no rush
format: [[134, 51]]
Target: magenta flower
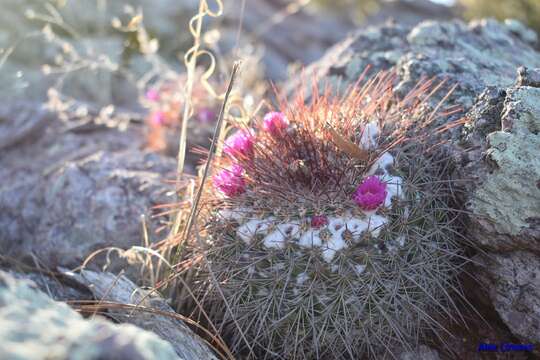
[[152, 95], [158, 118], [274, 122], [241, 143], [206, 116], [230, 181], [318, 221], [371, 193]]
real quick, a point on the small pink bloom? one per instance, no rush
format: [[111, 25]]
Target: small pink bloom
[[152, 95], [241, 143], [206, 116], [371, 193], [274, 122], [157, 118], [318, 221], [230, 181]]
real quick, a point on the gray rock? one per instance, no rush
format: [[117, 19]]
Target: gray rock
[[476, 55], [528, 78], [20, 122], [65, 194], [506, 203], [57, 286], [521, 30], [97, 202], [514, 280], [119, 289], [35, 327]]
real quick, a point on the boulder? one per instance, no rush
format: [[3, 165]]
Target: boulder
[[33, 327], [67, 193], [473, 56], [505, 203], [514, 288], [119, 289]]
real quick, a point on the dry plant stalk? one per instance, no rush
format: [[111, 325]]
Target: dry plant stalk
[[190, 60]]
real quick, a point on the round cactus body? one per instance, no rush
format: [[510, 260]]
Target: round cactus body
[[340, 244]]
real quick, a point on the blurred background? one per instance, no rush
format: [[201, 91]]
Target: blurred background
[[282, 33], [102, 57]]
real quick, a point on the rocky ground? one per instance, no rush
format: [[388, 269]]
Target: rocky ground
[[67, 192]]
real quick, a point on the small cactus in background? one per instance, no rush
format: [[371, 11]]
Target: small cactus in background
[[328, 233], [165, 101]]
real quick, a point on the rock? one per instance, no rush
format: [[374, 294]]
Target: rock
[[515, 291], [97, 202], [35, 327], [495, 152], [57, 287], [474, 56], [289, 34], [21, 122], [521, 30], [506, 204], [528, 78], [68, 194], [119, 289], [84, 206]]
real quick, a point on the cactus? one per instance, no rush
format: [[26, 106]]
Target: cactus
[[165, 101], [330, 231]]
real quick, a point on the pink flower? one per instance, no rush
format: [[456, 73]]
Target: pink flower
[[241, 143], [206, 116], [318, 221], [371, 193], [152, 95], [158, 118], [230, 181], [274, 122]]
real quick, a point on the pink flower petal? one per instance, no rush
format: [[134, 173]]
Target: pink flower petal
[[152, 95], [274, 122], [158, 118], [230, 181], [371, 193], [240, 144]]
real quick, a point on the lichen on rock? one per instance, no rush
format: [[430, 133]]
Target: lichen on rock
[[34, 327], [515, 291], [507, 202]]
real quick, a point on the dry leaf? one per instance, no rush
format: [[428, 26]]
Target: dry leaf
[[347, 146]]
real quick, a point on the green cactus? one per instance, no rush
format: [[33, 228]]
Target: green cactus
[[333, 236]]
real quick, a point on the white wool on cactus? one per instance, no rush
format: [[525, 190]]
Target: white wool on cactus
[[330, 238], [381, 165], [394, 184], [277, 238], [370, 133], [253, 227]]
